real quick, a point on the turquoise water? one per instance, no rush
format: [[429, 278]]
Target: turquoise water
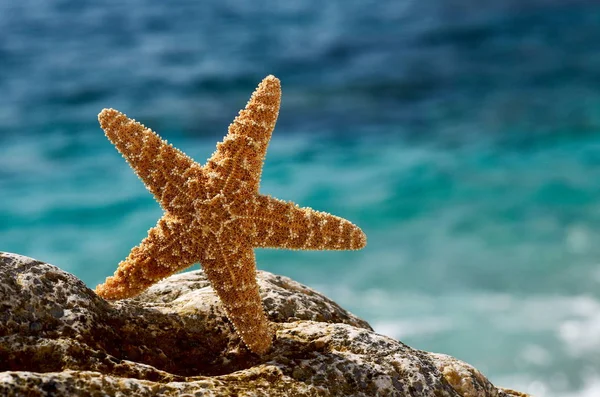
[[464, 140]]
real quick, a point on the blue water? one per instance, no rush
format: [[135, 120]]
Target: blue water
[[463, 137]]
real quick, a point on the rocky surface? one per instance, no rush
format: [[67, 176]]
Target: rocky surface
[[57, 337]]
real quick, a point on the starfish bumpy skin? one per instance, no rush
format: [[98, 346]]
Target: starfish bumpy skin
[[215, 215]]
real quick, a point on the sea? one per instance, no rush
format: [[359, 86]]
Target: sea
[[462, 136]]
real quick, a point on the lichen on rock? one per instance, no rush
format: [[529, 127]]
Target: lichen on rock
[[57, 337]]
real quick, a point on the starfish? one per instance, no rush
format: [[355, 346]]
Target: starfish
[[215, 216]]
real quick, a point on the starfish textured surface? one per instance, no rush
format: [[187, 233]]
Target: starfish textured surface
[[214, 214]]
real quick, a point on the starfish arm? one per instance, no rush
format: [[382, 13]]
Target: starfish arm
[[273, 223], [231, 270], [167, 172], [236, 165], [166, 250]]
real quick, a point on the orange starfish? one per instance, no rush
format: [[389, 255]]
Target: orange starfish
[[215, 215]]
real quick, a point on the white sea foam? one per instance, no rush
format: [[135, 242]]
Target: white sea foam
[[581, 331], [557, 388]]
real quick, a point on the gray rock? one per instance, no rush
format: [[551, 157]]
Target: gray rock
[[57, 337]]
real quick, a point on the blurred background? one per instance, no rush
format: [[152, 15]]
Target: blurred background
[[462, 136]]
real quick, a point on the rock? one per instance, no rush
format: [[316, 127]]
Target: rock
[[58, 338]]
